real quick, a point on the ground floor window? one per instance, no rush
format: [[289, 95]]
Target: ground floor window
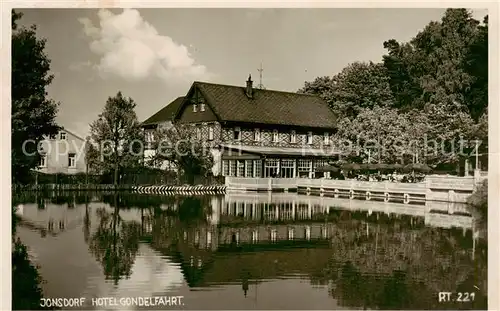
[[320, 163], [303, 167], [249, 168], [241, 168], [284, 168], [232, 168], [287, 169], [257, 168], [271, 167]]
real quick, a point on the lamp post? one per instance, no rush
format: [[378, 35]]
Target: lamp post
[[87, 141]]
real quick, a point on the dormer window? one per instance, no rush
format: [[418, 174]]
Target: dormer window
[[293, 137], [309, 138], [62, 135], [52, 136], [256, 135], [202, 107], [237, 133], [275, 136], [326, 138], [195, 107]]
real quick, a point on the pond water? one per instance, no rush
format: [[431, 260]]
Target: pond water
[[253, 251]]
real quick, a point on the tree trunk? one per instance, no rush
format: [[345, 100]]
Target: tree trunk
[[116, 176]]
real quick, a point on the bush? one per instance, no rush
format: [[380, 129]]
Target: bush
[[479, 199]]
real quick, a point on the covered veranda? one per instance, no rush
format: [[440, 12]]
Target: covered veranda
[[283, 162]]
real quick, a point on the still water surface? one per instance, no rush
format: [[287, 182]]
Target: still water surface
[[254, 251]]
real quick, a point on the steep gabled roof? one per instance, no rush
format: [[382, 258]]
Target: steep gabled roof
[[166, 113], [230, 103]]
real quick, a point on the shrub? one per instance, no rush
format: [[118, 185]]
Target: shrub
[[479, 199]]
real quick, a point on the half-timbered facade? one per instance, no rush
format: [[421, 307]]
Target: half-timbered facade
[[162, 118], [259, 133]]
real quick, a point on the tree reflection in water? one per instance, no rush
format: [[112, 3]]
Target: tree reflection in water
[[86, 224], [115, 243]]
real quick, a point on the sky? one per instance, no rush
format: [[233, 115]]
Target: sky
[[153, 55]]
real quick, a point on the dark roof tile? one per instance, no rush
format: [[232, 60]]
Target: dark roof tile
[[166, 113], [230, 103]]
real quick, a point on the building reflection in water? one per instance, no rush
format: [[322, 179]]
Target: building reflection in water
[[248, 238], [364, 252]]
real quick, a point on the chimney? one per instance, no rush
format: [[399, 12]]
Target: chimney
[[249, 90]]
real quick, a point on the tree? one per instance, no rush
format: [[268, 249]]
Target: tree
[[116, 138], [380, 133], [180, 146], [359, 85], [436, 66], [33, 114], [476, 64]]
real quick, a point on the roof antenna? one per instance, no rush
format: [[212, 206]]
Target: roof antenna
[[260, 86]]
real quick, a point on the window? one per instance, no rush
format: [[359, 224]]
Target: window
[[149, 136], [62, 136], [287, 168], [309, 138], [202, 107], [256, 135], [257, 168], [237, 133], [271, 167], [210, 133], [249, 168], [275, 136], [43, 160], [232, 168], [319, 163], [326, 138], [290, 233], [293, 137], [195, 107], [225, 168], [52, 136], [241, 168], [198, 132], [303, 167], [71, 160]]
